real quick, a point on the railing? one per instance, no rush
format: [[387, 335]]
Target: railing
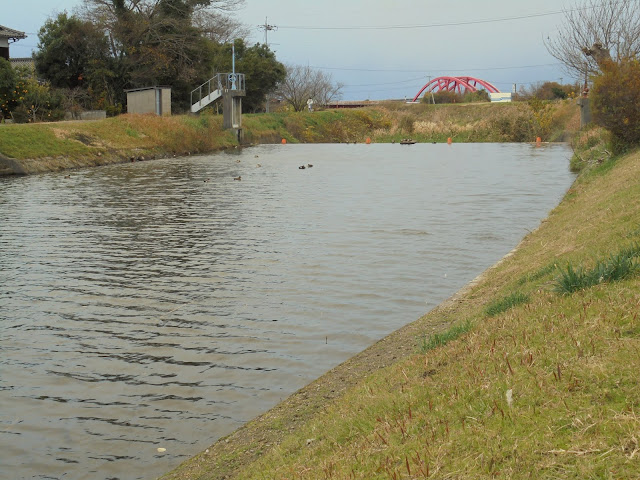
[[222, 82]]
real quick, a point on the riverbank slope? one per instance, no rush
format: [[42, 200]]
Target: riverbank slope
[[45, 147], [529, 372]]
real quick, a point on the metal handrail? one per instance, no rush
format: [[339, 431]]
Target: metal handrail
[[223, 82]]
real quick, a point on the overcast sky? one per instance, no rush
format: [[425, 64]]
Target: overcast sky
[[382, 48]]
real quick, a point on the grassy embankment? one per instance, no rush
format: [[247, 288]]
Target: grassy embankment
[[57, 146], [393, 121], [530, 372]]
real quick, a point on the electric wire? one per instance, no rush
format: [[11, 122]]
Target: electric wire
[[409, 27], [432, 69], [433, 25]]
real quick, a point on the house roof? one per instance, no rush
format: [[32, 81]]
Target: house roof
[[11, 33]]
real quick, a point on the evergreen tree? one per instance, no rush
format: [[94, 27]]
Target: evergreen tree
[[70, 51]]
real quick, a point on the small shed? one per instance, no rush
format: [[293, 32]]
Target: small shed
[[149, 100], [7, 36]]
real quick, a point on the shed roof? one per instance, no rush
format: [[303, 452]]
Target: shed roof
[[6, 32], [143, 89]]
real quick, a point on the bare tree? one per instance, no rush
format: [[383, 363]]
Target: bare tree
[[220, 28], [593, 28], [304, 83], [146, 6], [136, 17]]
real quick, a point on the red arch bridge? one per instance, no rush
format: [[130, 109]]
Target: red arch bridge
[[456, 84]]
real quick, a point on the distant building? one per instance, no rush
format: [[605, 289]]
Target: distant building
[[7, 36], [500, 97]]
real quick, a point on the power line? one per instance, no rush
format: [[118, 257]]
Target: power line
[[449, 24], [437, 69], [424, 72], [388, 83], [430, 25]]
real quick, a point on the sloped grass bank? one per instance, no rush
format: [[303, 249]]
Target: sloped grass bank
[[542, 385], [391, 122], [57, 146]]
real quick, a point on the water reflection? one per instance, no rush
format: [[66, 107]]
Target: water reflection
[[163, 304]]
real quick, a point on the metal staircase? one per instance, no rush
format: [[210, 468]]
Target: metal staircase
[[215, 87]]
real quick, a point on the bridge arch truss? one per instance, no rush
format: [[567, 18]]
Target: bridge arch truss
[[456, 84]]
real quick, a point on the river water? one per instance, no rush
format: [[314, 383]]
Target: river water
[[162, 304]]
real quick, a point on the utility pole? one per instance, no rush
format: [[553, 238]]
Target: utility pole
[[266, 27]]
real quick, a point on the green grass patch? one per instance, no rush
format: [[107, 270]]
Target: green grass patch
[[56, 146], [36, 141], [131, 132], [502, 305], [538, 274], [429, 342]]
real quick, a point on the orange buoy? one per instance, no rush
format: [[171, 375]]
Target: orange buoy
[[284, 140], [368, 140], [538, 141], [449, 141]]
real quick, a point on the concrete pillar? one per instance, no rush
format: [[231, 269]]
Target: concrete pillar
[[232, 110], [585, 111]]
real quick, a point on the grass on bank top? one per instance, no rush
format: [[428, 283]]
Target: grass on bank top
[[547, 388], [391, 122], [37, 141], [122, 135]]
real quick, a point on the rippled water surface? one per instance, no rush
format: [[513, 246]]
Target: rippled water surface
[[163, 304]]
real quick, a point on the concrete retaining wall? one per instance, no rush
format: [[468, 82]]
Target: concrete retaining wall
[[88, 115]]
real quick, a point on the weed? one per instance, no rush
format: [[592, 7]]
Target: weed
[[591, 149], [617, 267], [571, 280]]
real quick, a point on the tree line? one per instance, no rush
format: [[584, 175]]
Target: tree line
[[87, 60], [115, 45]]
